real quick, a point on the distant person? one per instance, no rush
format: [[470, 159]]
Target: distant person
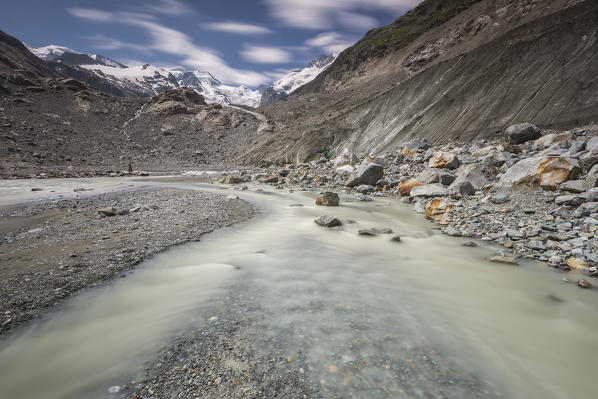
[[130, 168]]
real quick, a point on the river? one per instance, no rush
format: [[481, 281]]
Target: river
[[415, 318]]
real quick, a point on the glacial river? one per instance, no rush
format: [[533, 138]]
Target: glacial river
[[397, 311]]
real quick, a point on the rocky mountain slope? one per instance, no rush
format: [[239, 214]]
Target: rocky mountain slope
[[446, 70]]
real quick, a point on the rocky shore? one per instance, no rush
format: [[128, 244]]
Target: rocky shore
[[52, 250], [534, 192]]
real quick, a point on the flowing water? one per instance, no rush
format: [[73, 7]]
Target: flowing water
[[392, 319]]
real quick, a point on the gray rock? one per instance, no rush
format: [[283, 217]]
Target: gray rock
[[589, 159], [429, 191], [592, 143], [36, 189], [364, 188], [367, 232], [573, 186], [546, 172], [417, 144], [586, 209], [328, 221], [433, 175], [522, 132], [108, 211], [396, 238], [477, 174], [570, 199], [591, 178], [367, 173], [461, 189], [501, 198]]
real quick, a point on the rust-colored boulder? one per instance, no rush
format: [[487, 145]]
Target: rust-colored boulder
[[444, 160], [406, 186], [546, 172], [439, 209], [577, 264]]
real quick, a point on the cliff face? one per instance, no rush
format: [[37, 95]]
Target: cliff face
[[492, 64]]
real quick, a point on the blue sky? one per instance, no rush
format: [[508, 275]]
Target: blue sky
[[240, 42]]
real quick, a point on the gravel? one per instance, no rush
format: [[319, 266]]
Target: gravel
[[50, 251]]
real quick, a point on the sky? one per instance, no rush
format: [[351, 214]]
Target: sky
[[238, 41]]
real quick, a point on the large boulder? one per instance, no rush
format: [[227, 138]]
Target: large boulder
[[522, 132], [546, 172], [478, 175], [592, 143], [417, 144], [461, 189], [429, 191], [444, 160], [367, 173]]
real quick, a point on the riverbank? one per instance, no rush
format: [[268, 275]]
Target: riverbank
[[52, 250]]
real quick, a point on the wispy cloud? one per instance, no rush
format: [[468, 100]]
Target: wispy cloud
[[171, 41], [330, 42], [265, 55], [237, 27], [325, 14], [171, 7], [91, 14], [358, 21], [109, 43]]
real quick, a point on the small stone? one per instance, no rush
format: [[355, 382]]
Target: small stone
[[328, 221], [36, 189], [500, 199], [504, 260], [367, 232], [396, 238], [584, 284]]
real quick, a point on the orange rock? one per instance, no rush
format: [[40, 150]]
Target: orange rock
[[577, 264], [444, 160], [547, 172], [439, 210], [406, 187]]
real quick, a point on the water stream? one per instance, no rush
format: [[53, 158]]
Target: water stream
[[364, 305]]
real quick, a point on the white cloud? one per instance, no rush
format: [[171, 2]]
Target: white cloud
[[109, 43], [331, 42], [265, 55], [171, 41], [171, 7], [324, 14], [91, 14], [237, 27]]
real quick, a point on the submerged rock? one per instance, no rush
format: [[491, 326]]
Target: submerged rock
[[328, 221], [504, 260], [366, 232]]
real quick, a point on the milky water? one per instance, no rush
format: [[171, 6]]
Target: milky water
[[364, 311]]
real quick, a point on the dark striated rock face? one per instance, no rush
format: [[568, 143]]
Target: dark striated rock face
[[16, 59]]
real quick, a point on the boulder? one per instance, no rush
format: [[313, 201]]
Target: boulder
[[271, 179], [408, 185], [477, 174], [522, 132], [432, 175], [573, 186], [546, 172], [341, 160], [328, 221], [461, 189], [346, 169], [328, 199], [367, 173], [429, 191], [592, 178], [499, 199], [439, 209], [444, 160], [571, 199], [416, 144], [588, 160], [364, 188], [585, 209], [592, 143]]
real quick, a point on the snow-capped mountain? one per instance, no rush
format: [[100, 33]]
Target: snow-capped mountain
[[51, 52], [147, 80], [295, 79]]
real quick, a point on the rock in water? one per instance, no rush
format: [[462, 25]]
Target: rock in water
[[584, 284], [367, 173], [367, 232], [328, 199], [328, 221], [522, 132], [505, 260]]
